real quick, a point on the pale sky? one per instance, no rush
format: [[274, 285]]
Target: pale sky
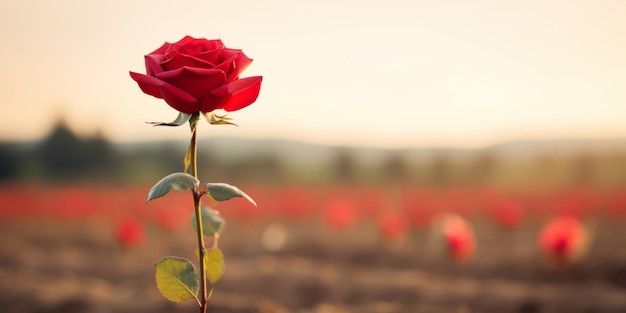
[[384, 73]]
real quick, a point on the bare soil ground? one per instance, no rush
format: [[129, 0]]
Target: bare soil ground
[[69, 266]]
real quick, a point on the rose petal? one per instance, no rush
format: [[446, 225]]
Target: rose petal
[[234, 63], [198, 82], [194, 47], [162, 49], [185, 40], [146, 85], [228, 68], [178, 60], [212, 56], [153, 64], [211, 44], [177, 46], [175, 97], [233, 96], [229, 53]]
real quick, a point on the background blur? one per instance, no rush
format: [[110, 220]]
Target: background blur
[[394, 73], [374, 119]]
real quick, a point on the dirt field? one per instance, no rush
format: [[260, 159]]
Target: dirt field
[[64, 266]]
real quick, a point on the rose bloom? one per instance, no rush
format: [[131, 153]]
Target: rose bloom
[[199, 75]]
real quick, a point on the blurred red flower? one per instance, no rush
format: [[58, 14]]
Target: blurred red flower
[[295, 202], [392, 225], [509, 213], [129, 232], [562, 241], [455, 236], [340, 214]]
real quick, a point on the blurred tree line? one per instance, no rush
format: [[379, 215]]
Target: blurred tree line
[[64, 156], [483, 168]]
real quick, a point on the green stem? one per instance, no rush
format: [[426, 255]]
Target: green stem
[[196, 202]]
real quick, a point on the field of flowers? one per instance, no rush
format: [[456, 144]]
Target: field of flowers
[[321, 248]]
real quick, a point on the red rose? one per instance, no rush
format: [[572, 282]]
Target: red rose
[[195, 75]]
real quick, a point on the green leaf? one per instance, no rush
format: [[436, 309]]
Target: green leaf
[[212, 221], [177, 279], [214, 265], [175, 181], [181, 119], [223, 192]]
